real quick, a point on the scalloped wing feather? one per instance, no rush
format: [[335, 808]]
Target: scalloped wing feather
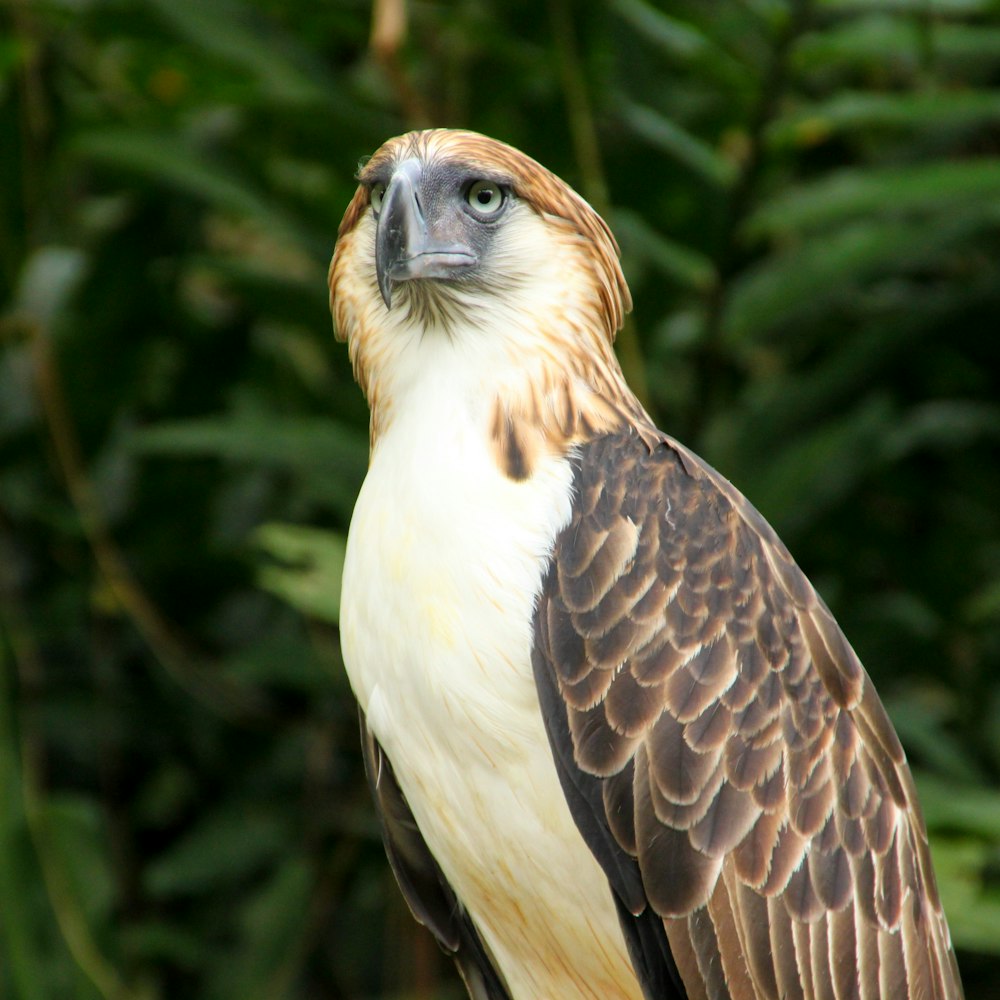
[[744, 758]]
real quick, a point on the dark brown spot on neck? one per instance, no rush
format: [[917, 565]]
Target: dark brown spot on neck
[[515, 462], [513, 452]]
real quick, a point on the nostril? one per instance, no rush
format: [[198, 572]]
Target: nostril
[[419, 205]]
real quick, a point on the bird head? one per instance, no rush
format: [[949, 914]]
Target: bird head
[[453, 238]]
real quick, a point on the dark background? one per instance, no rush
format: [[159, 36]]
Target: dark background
[[808, 201]]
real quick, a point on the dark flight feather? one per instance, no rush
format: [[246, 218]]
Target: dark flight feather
[[430, 897]]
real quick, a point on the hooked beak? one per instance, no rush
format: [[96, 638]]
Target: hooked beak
[[406, 245]]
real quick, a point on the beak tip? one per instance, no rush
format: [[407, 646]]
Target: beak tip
[[384, 284]]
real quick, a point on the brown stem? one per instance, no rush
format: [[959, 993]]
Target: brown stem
[[593, 182], [388, 34]]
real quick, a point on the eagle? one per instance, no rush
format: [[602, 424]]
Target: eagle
[[618, 744]]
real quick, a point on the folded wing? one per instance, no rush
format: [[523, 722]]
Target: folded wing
[[712, 726]]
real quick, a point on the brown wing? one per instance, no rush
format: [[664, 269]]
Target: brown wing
[[709, 720]]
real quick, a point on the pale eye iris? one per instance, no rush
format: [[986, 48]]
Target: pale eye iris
[[377, 193], [486, 197]]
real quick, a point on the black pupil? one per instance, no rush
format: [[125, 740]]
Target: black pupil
[[484, 195]]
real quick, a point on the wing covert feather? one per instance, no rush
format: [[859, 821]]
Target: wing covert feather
[[741, 755]]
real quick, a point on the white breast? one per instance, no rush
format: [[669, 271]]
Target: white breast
[[444, 563]]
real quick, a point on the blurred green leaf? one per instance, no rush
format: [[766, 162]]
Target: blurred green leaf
[[170, 160], [971, 810], [224, 846], [817, 468], [683, 264], [274, 929], [921, 112], [160, 941], [922, 728], [12, 53], [311, 566], [878, 37], [280, 659], [328, 457], [74, 828], [945, 423], [673, 36], [236, 34], [50, 277], [683, 40], [669, 137], [805, 278], [256, 437], [881, 39], [973, 913], [924, 8], [930, 188], [984, 605]]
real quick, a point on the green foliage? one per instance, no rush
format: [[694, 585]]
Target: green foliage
[[311, 563], [808, 201]]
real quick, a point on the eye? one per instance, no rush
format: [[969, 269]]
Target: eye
[[377, 194], [485, 197]]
